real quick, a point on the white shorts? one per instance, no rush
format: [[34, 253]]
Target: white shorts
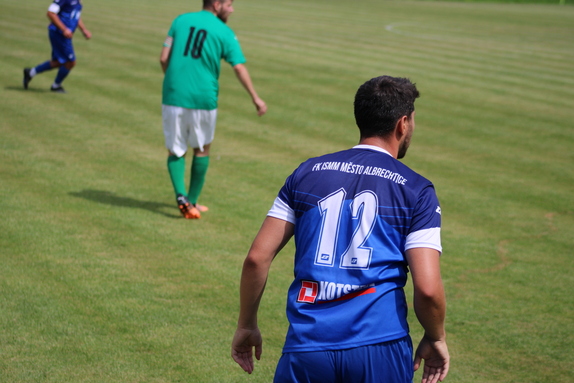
[[183, 128]]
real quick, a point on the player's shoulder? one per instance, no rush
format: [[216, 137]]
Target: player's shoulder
[[416, 182], [341, 154], [183, 16], [202, 19], [66, 2], [382, 163], [322, 158]]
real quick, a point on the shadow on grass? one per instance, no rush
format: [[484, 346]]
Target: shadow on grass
[[29, 90], [109, 198]]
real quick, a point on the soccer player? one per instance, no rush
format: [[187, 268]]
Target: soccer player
[[191, 60], [361, 220], [65, 17]]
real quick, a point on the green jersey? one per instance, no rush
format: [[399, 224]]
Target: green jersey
[[200, 41]]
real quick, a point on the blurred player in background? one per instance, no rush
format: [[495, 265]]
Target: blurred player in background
[[65, 17], [361, 221], [191, 60]]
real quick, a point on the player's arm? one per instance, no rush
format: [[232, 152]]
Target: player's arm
[[165, 53], [243, 76], [55, 19], [87, 34], [430, 309], [272, 236]]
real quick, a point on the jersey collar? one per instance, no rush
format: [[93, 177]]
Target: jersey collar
[[372, 147]]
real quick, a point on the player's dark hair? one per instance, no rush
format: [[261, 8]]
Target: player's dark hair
[[209, 3], [381, 102]]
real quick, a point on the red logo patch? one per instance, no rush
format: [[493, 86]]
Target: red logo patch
[[308, 292]]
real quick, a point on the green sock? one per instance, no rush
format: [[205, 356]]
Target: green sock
[[176, 169], [198, 171]]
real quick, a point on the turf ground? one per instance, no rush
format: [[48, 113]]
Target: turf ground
[[102, 281]]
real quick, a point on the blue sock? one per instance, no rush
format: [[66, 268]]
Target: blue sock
[[62, 74], [43, 67]]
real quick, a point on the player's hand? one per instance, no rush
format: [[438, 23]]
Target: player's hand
[[87, 34], [242, 348], [436, 360], [68, 33], [260, 106]]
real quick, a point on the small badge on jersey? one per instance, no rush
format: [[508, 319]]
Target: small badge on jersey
[[308, 292]]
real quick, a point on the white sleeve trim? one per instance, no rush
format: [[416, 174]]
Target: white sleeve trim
[[282, 211], [54, 8], [429, 238]]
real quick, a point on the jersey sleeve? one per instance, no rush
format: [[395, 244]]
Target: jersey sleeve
[[172, 28], [232, 53], [283, 206], [54, 7], [281, 211], [426, 222]]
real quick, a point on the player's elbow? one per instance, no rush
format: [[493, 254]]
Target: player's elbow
[[250, 262], [429, 292], [239, 68], [163, 63], [257, 260], [253, 262]]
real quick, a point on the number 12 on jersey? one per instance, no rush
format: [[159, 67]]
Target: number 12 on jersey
[[364, 208]]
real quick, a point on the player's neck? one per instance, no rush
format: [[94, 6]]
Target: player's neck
[[388, 145]]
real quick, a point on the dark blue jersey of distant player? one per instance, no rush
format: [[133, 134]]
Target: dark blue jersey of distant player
[[355, 212], [69, 11]]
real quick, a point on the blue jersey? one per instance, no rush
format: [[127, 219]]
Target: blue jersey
[[355, 212], [69, 12]]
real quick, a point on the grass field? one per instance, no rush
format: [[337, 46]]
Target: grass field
[[102, 281]]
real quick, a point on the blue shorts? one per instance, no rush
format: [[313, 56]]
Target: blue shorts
[[388, 362], [62, 48]]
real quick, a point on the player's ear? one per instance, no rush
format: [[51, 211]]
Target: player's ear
[[401, 128]]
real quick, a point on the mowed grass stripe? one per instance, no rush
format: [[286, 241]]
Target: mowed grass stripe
[[481, 65], [472, 65]]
